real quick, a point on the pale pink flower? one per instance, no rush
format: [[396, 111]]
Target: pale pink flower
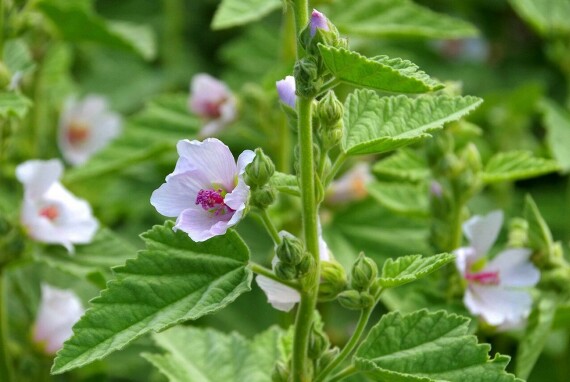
[[318, 20], [213, 101], [50, 213], [286, 91], [497, 290], [59, 310], [351, 186], [86, 127], [280, 296], [206, 191]]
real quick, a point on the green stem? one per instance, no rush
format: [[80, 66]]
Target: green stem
[[335, 167], [301, 12], [456, 230], [269, 226], [348, 371], [322, 162], [350, 345], [2, 5], [328, 86], [261, 270], [5, 363]]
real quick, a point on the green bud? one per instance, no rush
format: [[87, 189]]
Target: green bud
[[363, 273], [280, 372], [333, 135], [518, 233], [329, 109], [319, 30], [318, 342], [472, 158], [333, 280], [260, 170], [355, 300], [327, 358], [285, 271], [306, 264], [263, 197], [291, 250], [307, 80]]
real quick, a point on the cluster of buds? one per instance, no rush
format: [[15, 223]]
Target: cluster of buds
[[293, 261], [257, 176], [362, 284], [330, 112]]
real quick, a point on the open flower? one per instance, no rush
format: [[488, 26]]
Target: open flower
[[213, 101], [286, 91], [280, 296], [495, 288], [206, 191], [59, 310], [50, 213], [351, 186], [85, 127]]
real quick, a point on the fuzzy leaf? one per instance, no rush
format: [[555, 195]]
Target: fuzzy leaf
[[515, 165], [404, 165], [216, 356], [231, 13], [285, 183], [13, 105], [396, 18], [406, 269], [404, 198], [548, 17], [539, 324], [381, 72], [557, 123], [173, 280], [375, 124], [427, 347]]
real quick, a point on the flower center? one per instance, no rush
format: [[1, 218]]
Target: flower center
[[49, 212], [213, 201], [212, 109], [77, 133], [484, 278]]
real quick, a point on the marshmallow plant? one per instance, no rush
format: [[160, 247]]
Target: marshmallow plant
[[197, 263]]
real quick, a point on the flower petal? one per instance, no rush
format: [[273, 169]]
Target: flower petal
[[178, 193], [201, 225], [286, 91], [464, 256], [280, 296], [482, 231], [498, 305], [515, 268], [37, 176]]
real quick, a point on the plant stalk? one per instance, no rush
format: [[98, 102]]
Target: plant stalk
[[261, 270], [5, 362], [269, 226]]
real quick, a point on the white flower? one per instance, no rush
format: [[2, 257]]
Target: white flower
[[280, 296], [85, 127], [59, 310], [50, 213], [213, 101], [496, 290], [206, 191], [351, 186], [286, 91]]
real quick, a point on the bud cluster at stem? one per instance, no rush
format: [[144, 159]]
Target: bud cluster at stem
[[330, 112], [363, 276], [257, 176], [293, 261]]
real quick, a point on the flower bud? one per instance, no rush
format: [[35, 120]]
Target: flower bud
[[260, 170], [318, 343], [319, 30], [518, 233], [472, 158], [363, 273], [285, 271], [327, 357], [263, 197], [329, 109], [355, 300], [291, 250], [307, 81], [305, 265], [333, 280], [286, 91], [280, 372]]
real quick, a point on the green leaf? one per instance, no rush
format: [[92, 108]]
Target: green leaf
[[426, 347], [408, 199], [406, 269], [375, 124], [216, 356], [539, 324], [405, 165], [539, 235], [381, 72], [286, 183], [557, 123], [17, 56], [516, 165], [396, 18], [231, 13], [77, 22], [549, 18], [173, 280], [13, 105]]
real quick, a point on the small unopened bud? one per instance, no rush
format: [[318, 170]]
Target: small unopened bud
[[472, 158], [329, 109], [363, 273], [319, 30], [333, 280], [318, 343], [280, 372], [260, 170], [290, 250], [518, 233], [286, 91], [318, 21], [305, 265], [307, 81], [355, 300], [285, 271], [327, 358]]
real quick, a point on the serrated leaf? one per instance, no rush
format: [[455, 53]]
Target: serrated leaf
[[396, 18], [539, 235], [426, 347], [537, 330], [173, 280], [286, 183], [516, 165], [231, 13], [406, 269], [404, 198], [374, 124], [381, 72], [557, 123], [216, 356], [403, 165], [13, 105], [77, 22], [549, 18]]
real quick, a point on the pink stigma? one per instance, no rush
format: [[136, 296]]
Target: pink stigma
[[212, 201], [484, 278], [49, 212]]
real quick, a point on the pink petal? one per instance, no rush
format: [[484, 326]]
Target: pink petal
[[201, 225], [286, 90], [178, 193], [482, 231], [318, 20], [280, 296]]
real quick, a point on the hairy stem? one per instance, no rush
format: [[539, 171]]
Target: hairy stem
[[335, 167], [261, 270], [348, 371]]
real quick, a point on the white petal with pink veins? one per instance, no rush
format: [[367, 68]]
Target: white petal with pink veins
[[178, 193], [202, 225], [482, 231], [515, 268]]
